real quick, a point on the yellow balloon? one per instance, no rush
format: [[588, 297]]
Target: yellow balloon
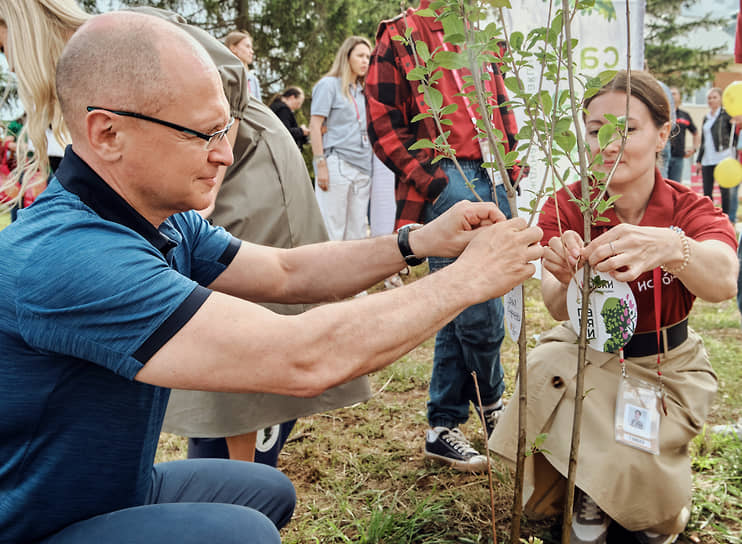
[[728, 173], [731, 99]]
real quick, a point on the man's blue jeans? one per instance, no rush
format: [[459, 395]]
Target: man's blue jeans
[[471, 342], [675, 168], [196, 501]]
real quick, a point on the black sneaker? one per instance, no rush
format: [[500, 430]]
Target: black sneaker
[[589, 522], [451, 446], [491, 417]]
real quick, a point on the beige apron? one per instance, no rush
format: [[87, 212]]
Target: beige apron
[[637, 489], [266, 198]]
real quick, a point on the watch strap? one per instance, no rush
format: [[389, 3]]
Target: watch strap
[[403, 242]]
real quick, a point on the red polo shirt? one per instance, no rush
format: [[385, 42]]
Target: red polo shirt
[[670, 204]]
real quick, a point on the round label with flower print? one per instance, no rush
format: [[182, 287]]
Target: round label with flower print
[[611, 314]]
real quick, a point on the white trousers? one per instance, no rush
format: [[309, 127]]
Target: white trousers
[[344, 206], [383, 209]]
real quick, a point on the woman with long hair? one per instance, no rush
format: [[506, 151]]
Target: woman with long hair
[[717, 143], [670, 245], [240, 43], [342, 155]]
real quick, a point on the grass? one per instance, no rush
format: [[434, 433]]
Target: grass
[[361, 478]]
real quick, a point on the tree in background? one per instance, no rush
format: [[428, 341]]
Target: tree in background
[[295, 42], [669, 56]]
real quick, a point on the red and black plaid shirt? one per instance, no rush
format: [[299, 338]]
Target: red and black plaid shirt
[[393, 101]]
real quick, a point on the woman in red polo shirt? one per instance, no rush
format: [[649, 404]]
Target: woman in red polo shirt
[[655, 224]]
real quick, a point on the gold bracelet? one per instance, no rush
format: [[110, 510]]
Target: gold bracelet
[[686, 252]]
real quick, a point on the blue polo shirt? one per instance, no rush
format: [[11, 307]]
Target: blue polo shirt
[[89, 291]]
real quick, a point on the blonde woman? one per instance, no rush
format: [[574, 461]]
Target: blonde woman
[[240, 43], [342, 155], [278, 212]]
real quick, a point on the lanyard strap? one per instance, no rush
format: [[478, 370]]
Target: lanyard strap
[[355, 104], [657, 277]]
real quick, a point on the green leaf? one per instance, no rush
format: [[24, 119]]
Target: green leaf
[[453, 25], [435, 99], [450, 60], [449, 109], [427, 12], [398, 38], [606, 76], [566, 141], [512, 84], [455, 38], [416, 74], [499, 3], [422, 50], [546, 101], [421, 116], [605, 134], [516, 40], [525, 132], [446, 122], [437, 158], [423, 143]]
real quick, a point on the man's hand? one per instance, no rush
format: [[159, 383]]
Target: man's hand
[[562, 256], [449, 234], [498, 258]]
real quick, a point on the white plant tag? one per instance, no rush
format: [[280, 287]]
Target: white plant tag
[[513, 303], [611, 317]]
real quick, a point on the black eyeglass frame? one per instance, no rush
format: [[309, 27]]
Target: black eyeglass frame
[[214, 136]]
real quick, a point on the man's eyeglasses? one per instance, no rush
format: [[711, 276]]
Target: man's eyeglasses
[[211, 139]]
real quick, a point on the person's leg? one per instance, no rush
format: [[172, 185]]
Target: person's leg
[[733, 203], [724, 200], [175, 523], [222, 481], [333, 203], [383, 204], [665, 160], [358, 198], [739, 275], [270, 442], [242, 446], [707, 174], [207, 448], [675, 169], [470, 342], [196, 501]]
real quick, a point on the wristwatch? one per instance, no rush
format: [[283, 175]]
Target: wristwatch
[[403, 242]]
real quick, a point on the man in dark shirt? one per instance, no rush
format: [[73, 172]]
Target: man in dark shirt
[[678, 152]]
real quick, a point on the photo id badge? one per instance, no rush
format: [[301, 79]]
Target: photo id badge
[[637, 421]]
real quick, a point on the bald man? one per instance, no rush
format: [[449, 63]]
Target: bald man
[[119, 292]]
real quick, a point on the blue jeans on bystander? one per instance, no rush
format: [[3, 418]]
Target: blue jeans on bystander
[[471, 342]]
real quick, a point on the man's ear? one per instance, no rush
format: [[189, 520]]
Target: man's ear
[[104, 138]]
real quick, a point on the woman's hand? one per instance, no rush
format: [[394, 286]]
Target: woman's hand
[[562, 256], [323, 175], [627, 251]]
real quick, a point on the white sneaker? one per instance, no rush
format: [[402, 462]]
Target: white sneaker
[[589, 522]]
